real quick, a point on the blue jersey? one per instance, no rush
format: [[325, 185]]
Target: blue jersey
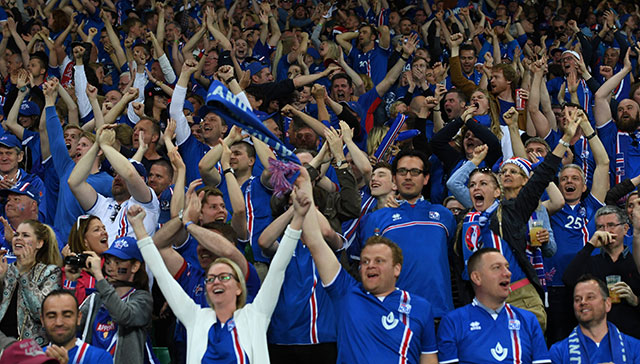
[[223, 345], [68, 209], [350, 227], [582, 154], [372, 63], [84, 353], [623, 151], [192, 150], [35, 182], [258, 207], [471, 335], [165, 204], [304, 313], [615, 347], [423, 232], [396, 329], [571, 227]]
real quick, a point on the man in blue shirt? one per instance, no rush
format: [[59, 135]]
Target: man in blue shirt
[[377, 322], [591, 303], [426, 268], [489, 330], [60, 318]]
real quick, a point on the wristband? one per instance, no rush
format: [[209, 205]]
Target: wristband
[[564, 143], [589, 137], [228, 170], [403, 57], [187, 224], [436, 110], [23, 89]]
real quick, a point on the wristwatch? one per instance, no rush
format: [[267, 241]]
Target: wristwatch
[[229, 170], [340, 163]]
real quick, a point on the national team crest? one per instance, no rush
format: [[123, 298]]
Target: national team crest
[[472, 238], [434, 215]]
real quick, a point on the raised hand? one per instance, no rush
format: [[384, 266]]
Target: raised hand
[[479, 154], [410, 45], [468, 112], [92, 92], [136, 215], [347, 133], [456, 40], [511, 116]]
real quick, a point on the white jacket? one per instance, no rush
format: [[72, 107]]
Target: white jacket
[[251, 321]]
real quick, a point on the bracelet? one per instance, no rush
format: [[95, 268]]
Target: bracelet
[[589, 137], [403, 57], [436, 110], [564, 143], [229, 79], [187, 224], [229, 170]]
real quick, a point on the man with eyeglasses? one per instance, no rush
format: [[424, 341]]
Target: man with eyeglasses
[[614, 259], [422, 230]]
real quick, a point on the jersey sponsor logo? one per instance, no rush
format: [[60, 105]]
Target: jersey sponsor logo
[[435, 215], [472, 238], [396, 217], [475, 325], [499, 353], [389, 321], [514, 324], [106, 328]]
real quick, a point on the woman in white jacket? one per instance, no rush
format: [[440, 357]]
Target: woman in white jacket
[[229, 331]]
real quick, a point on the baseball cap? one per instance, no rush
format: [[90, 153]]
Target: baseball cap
[[23, 188], [125, 248], [25, 352], [573, 53], [10, 141], [499, 23], [29, 108], [140, 168], [188, 105], [256, 67]]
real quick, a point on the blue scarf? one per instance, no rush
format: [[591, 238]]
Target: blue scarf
[[616, 342], [235, 112]]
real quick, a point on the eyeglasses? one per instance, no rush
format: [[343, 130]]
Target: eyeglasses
[[413, 171], [222, 277], [610, 225]]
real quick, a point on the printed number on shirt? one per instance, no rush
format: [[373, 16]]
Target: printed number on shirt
[[574, 222]]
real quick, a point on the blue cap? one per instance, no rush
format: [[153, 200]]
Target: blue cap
[[125, 248], [188, 105], [24, 188], [263, 115], [499, 23], [256, 67], [29, 108], [313, 53], [3, 15], [140, 168], [10, 141], [204, 110]]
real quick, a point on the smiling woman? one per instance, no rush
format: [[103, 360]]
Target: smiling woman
[[28, 280]]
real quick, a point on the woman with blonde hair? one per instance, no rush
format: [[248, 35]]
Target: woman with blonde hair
[[27, 281], [228, 330]]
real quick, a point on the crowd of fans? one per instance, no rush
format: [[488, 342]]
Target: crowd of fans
[[311, 181]]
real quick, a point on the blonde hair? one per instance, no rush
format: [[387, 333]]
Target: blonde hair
[[242, 299], [333, 51], [376, 134], [49, 253]]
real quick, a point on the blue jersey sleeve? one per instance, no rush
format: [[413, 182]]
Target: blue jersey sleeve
[[57, 146], [428, 342], [253, 283], [447, 342], [538, 344], [557, 352], [338, 289]]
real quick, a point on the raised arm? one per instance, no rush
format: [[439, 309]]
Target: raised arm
[[601, 173], [12, 119], [123, 167], [407, 50], [360, 158], [210, 240], [84, 192], [344, 40], [601, 109], [239, 216]]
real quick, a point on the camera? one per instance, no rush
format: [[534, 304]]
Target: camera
[[76, 261]]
